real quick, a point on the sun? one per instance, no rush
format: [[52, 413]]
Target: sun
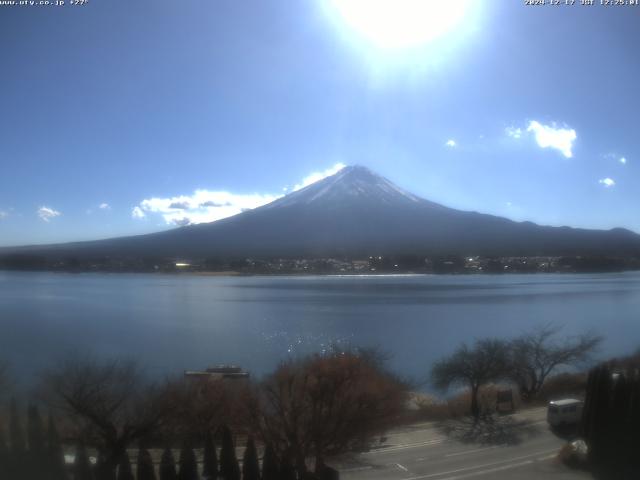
[[401, 24]]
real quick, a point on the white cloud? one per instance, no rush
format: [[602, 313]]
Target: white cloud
[[3, 214], [607, 182], [47, 213], [104, 206], [317, 176], [202, 206], [615, 157], [513, 132], [451, 143], [137, 213], [549, 136], [208, 206]]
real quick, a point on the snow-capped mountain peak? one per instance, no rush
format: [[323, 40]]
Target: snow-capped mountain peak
[[351, 184]]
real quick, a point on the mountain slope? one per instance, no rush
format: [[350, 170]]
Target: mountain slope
[[357, 213]]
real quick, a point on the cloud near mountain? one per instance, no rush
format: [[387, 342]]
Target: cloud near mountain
[[202, 206], [205, 206]]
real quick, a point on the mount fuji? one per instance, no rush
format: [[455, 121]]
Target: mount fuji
[[355, 213]]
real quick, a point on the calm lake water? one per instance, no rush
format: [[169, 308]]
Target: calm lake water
[[176, 322]]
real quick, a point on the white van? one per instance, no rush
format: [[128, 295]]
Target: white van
[[564, 412]]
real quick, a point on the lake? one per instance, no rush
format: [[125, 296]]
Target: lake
[[177, 322]]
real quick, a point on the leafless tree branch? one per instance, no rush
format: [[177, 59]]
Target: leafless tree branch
[[538, 353]]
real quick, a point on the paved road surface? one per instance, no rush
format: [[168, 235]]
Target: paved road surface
[[514, 447]]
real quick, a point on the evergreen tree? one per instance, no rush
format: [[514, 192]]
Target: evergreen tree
[[270, 470], [598, 411], [250, 465], [210, 467], [588, 411], [619, 419], [17, 465], [37, 464], [102, 471], [287, 471], [4, 455], [611, 419], [35, 432], [324, 472], [16, 433], [124, 468], [168, 466], [229, 468], [145, 469], [81, 465], [188, 464], [55, 454], [634, 422]]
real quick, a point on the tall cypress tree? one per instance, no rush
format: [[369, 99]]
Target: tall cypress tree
[[37, 456], [81, 465], [601, 406], [4, 455], [229, 468], [250, 465], [55, 454], [16, 433], [634, 421], [210, 460], [35, 431], [168, 466], [188, 464], [611, 418], [102, 471], [324, 472], [287, 471], [18, 466], [145, 469], [588, 410], [620, 421], [270, 469], [124, 468]]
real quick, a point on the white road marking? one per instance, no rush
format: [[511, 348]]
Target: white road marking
[[357, 469], [405, 446], [499, 469], [465, 452], [411, 432], [475, 467], [402, 467]]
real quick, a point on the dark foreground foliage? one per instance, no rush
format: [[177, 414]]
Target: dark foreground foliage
[[611, 419], [307, 410]]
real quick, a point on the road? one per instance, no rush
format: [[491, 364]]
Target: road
[[514, 447]]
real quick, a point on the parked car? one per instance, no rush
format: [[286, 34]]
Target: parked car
[[564, 412]]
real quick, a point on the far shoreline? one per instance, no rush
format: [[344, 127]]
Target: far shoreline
[[235, 274]]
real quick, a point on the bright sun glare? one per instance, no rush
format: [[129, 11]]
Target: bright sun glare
[[396, 24]]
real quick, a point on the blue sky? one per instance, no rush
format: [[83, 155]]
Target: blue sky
[[164, 113]]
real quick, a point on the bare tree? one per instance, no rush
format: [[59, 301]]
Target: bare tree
[[110, 403], [537, 354], [4, 377], [202, 405], [472, 367], [326, 405]]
